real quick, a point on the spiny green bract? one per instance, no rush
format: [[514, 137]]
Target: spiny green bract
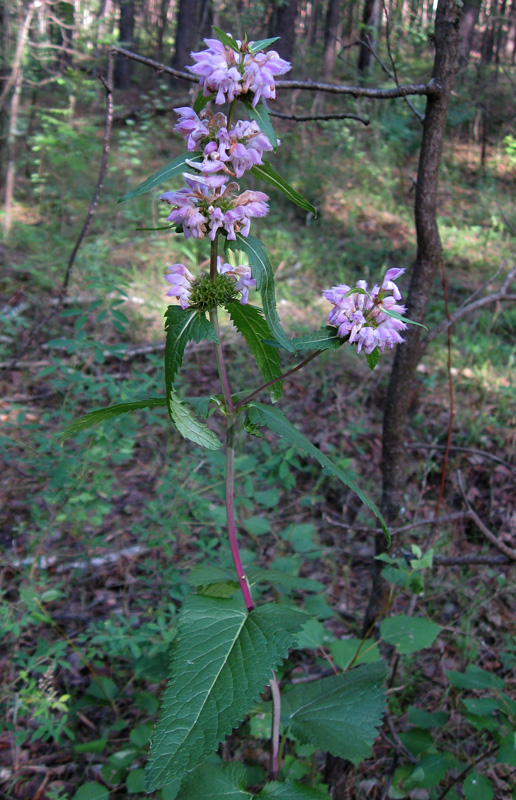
[[207, 294]]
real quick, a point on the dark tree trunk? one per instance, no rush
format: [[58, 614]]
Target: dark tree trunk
[[501, 33], [125, 37], [428, 261], [367, 36], [206, 18], [511, 38], [315, 21], [468, 22], [488, 38], [162, 27], [331, 28], [283, 24], [187, 32]]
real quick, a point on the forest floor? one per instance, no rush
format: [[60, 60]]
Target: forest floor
[[98, 536]]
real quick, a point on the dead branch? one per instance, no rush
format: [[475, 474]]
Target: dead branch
[[473, 450], [186, 76], [507, 551], [316, 117]]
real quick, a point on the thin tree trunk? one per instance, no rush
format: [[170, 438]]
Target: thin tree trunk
[[367, 35], [331, 28], [428, 261], [468, 23], [187, 31], [126, 37], [283, 24], [15, 82], [162, 27]]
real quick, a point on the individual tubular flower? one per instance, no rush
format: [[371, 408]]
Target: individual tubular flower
[[207, 206], [361, 316], [229, 74], [181, 279], [241, 276]]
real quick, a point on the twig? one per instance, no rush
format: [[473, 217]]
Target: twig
[[507, 551], [316, 117], [473, 450], [394, 73], [186, 76], [465, 771], [108, 85]]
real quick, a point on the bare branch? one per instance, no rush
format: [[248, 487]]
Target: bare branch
[[473, 450], [315, 117], [507, 551], [186, 76]]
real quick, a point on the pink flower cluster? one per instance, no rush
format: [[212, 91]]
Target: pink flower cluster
[[361, 316], [230, 74], [232, 152], [207, 205], [181, 279]]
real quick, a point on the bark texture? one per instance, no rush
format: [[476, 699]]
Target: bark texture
[[126, 36], [428, 260], [365, 55], [187, 31], [283, 24]]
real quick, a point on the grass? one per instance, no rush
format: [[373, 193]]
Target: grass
[[133, 495]]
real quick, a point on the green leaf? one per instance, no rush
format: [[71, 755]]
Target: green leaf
[[189, 426], [260, 115], [226, 39], [201, 101], [313, 634], [409, 634], [135, 781], [344, 651], [373, 358], [287, 582], [323, 339], [262, 272], [212, 781], [183, 326], [261, 44], [276, 421], [430, 771], [427, 719], [249, 321], [340, 714], [101, 414], [267, 173], [507, 751], [91, 791], [290, 791], [474, 678], [175, 167], [221, 661], [395, 315], [94, 746], [477, 787]]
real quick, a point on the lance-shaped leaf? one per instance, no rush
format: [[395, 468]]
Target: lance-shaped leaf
[[175, 167], [277, 422], [340, 714], [249, 321], [264, 276], [267, 173], [201, 101], [323, 339], [101, 414], [221, 660], [260, 115], [290, 791], [226, 39], [261, 44], [189, 426]]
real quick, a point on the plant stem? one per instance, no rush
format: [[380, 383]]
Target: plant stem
[[214, 319], [230, 114], [275, 729], [230, 511], [281, 377]]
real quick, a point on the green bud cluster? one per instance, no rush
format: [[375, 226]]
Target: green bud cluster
[[206, 294]]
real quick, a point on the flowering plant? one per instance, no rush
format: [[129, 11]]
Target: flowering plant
[[227, 649]]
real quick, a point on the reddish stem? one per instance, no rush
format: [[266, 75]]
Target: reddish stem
[[230, 512]]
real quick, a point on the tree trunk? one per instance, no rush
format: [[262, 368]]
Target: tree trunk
[[206, 18], [468, 22], [428, 261], [283, 24], [330, 37], [162, 27], [367, 35], [511, 38], [125, 38], [489, 35], [187, 32]]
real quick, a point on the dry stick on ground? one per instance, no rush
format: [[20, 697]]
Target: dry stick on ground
[[108, 85], [507, 551], [472, 450]]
